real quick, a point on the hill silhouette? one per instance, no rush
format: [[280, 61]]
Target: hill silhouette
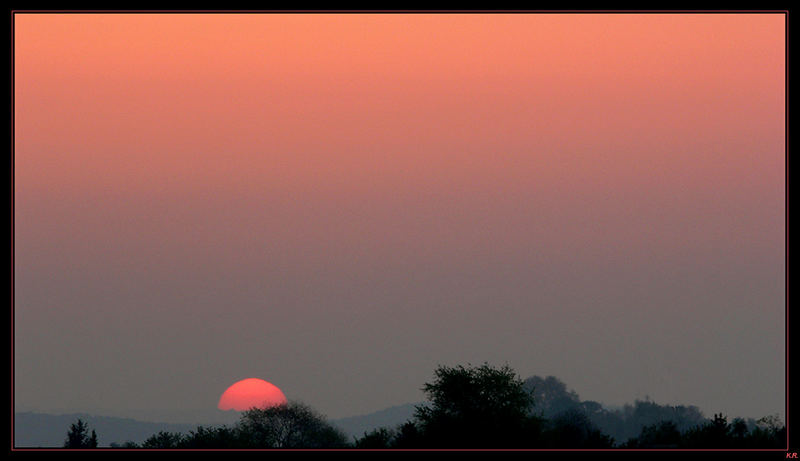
[[356, 426]]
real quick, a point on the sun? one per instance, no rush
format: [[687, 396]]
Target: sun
[[249, 393]]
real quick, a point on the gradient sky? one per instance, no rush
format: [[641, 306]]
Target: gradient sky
[[338, 203]]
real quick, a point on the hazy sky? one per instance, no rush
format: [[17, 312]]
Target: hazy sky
[[338, 203]]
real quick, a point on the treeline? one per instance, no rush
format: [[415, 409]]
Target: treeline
[[487, 407], [294, 425], [553, 400], [717, 433]]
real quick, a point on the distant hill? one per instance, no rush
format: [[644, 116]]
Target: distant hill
[[356, 426], [33, 430]]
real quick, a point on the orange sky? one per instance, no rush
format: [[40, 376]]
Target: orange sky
[[384, 105], [259, 92], [353, 143]]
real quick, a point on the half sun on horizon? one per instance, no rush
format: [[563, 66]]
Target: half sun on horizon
[[251, 393]]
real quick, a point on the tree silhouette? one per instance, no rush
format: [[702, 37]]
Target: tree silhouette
[[716, 433], [573, 429], [292, 425], [768, 432], [407, 435], [627, 423], [128, 445], [738, 429], [164, 440], [377, 438], [476, 407], [78, 437], [662, 435], [213, 437], [551, 395]]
